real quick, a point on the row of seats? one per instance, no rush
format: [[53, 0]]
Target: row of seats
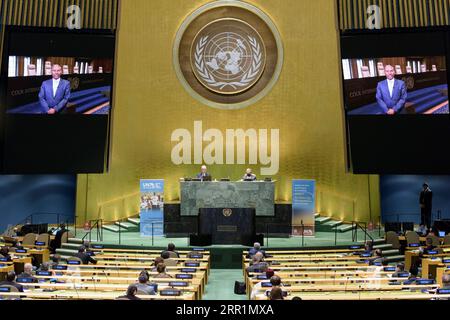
[[349, 274], [365, 71], [117, 271]]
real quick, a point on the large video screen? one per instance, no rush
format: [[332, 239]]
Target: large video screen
[[395, 85], [56, 100], [395, 99], [58, 85]]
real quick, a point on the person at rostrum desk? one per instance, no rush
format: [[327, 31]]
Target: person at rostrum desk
[[204, 175], [249, 176]]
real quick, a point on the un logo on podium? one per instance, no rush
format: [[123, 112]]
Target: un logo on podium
[[227, 212], [228, 54]]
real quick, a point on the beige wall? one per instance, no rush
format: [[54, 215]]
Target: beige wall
[[150, 103]]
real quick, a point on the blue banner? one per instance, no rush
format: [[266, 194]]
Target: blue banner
[[152, 207], [303, 207]]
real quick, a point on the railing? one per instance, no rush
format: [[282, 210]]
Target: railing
[[282, 225], [411, 217], [363, 227], [57, 218], [92, 224]]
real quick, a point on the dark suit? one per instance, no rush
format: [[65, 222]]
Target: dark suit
[[85, 258], [56, 243], [249, 177], [253, 251], [425, 199], [204, 176]]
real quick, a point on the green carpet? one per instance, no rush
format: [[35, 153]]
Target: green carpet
[[221, 285]]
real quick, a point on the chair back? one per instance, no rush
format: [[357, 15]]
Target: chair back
[[380, 68], [411, 237], [44, 237], [65, 237], [48, 68], [31, 70], [65, 69], [365, 71], [172, 254], [447, 240], [435, 239], [392, 239], [11, 289], [29, 239], [140, 292], [170, 262]]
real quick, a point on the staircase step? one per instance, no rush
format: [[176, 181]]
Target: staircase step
[[328, 226], [70, 246], [135, 221], [75, 240], [396, 258], [66, 252], [345, 228], [322, 220], [379, 241], [392, 252], [111, 227], [384, 246], [332, 223], [126, 225]]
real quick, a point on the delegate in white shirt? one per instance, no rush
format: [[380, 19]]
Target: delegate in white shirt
[[55, 86]]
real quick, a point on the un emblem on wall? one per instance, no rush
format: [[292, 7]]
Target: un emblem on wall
[[228, 54]]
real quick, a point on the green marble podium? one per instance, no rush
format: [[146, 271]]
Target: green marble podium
[[227, 194]]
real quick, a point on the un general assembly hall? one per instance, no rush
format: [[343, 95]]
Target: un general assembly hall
[[207, 157]]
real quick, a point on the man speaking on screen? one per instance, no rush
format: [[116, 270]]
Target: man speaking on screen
[[391, 93], [54, 93]]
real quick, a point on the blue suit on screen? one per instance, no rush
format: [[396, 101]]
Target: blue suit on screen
[[398, 99], [57, 102]]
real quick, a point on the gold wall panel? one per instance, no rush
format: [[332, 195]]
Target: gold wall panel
[[305, 105], [394, 13]]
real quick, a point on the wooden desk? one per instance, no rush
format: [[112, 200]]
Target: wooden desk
[[316, 251], [195, 282], [412, 257], [41, 255], [146, 251], [91, 270], [96, 287], [19, 264], [429, 267], [374, 295], [87, 295], [295, 290], [4, 270], [440, 271]]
